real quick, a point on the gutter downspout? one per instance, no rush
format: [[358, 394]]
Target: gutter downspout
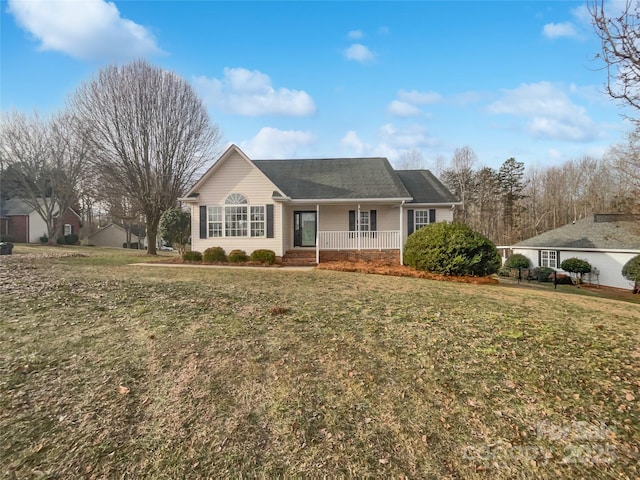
[[401, 245], [317, 233]]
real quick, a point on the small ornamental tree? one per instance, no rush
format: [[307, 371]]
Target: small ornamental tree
[[175, 227], [631, 271], [451, 249], [517, 260], [576, 267]]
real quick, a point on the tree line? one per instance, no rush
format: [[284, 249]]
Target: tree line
[[512, 203]]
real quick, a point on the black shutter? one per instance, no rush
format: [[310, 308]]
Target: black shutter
[[269, 221], [558, 259], [432, 215], [539, 258], [409, 222], [352, 220], [203, 221], [373, 220]]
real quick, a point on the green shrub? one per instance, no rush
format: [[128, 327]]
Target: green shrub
[[7, 238], [264, 256], [451, 249], [214, 254], [575, 265], [517, 260], [71, 239], [192, 256], [237, 256], [60, 240], [542, 274], [631, 269], [44, 239]]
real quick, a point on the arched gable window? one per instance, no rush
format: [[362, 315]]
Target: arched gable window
[[236, 199]]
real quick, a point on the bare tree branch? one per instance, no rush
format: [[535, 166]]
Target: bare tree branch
[[150, 134]]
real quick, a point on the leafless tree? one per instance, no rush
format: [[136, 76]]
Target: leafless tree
[[619, 32], [150, 134], [47, 156], [459, 178], [411, 160]]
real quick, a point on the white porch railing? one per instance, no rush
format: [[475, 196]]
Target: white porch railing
[[359, 240]]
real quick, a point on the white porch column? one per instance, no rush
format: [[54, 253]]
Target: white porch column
[[317, 233], [358, 227], [401, 232]]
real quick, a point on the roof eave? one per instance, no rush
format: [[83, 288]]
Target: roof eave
[[350, 200], [576, 249]]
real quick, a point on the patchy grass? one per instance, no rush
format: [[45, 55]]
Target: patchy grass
[[111, 370]]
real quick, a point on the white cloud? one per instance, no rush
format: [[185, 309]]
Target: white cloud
[[353, 144], [403, 109], [407, 137], [274, 143], [359, 53], [250, 92], [87, 29], [558, 30], [408, 102], [549, 110], [419, 98], [355, 34], [384, 31]]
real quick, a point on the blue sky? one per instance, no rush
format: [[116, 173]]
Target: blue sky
[[326, 79]]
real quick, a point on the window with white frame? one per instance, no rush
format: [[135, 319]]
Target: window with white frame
[[549, 258], [365, 222], [68, 229], [215, 221], [421, 218], [257, 221], [236, 218]]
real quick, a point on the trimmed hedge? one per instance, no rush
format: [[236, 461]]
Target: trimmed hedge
[[451, 249], [631, 269], [192, 256], [264, 256], [214, 254], [237, 256], [575, 265], [543, 274], [517, 260]]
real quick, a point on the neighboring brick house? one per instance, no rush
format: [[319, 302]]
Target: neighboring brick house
[[21, 223], [314, 209]]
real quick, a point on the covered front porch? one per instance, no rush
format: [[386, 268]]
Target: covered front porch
[[332, 232]]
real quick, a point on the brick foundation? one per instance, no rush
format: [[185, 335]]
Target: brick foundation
[[386, 257]]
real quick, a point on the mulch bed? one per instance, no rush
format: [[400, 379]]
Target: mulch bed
[[402, 271]]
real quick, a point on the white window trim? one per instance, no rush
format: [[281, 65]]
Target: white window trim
[[224, 211], [67, 229], [545, 258], [417, 225]]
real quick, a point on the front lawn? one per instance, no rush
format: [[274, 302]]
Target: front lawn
[[109, 370]]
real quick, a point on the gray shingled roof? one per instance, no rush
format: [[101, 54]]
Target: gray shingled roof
[[16, 206], [424, 187], [334, 178], [597, 231]]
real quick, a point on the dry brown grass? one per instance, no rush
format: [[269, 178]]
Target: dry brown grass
[[110, 371]]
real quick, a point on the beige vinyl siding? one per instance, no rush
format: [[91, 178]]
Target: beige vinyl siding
[[444, 214], [110, 236], [236, 175], [335, 218]]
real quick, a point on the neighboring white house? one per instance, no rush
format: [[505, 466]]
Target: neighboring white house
[[357, 208], [606, 241]]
